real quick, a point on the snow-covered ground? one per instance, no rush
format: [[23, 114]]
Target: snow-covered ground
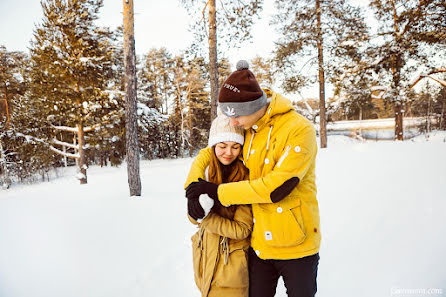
[[382, 206]]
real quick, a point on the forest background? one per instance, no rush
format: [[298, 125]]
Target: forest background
[[366, 55]]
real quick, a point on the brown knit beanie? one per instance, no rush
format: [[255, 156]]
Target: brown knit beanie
[[240, 94]]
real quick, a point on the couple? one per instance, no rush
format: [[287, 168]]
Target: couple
[[263, 221]]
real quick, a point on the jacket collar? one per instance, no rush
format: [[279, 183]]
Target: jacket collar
[[277, 105]]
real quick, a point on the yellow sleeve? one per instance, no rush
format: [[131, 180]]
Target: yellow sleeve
[[238, 228], [198, 168], [297, 157]]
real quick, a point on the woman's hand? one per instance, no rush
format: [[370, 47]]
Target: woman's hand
[[194, 209], [195, 189]]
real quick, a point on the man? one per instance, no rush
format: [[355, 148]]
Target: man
[[280, 151]]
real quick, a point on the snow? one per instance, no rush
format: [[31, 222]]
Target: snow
[[348, 43], [80, 176], [382, 207]]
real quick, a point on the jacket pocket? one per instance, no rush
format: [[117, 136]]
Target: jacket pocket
[[196, 259], [235, 273], [281, 227]]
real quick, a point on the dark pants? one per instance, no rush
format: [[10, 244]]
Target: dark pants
[[299, 276]]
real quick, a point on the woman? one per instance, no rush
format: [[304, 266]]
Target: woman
[[221, 243]]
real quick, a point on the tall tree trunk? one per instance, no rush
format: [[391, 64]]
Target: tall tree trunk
[[322, 116], [190, 125], [5, 181], [131, 124], [398, 120], [443, 113], [7, 107], [396, 81], [213, 69], [398, 105], [82, 161]]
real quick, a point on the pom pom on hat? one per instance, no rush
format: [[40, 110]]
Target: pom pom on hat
[[242, 64]]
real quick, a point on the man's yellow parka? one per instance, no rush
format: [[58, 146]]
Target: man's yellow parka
[[279, 146]]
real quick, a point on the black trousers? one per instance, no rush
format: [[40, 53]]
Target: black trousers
[[299, 276]]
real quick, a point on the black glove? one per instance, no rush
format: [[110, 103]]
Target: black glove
[[194, 209], [195, 189]]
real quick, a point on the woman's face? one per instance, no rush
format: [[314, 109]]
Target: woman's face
[[227, 151]]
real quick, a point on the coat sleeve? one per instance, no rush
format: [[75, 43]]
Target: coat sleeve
[[239, 227], [297, 157], [192, 220], [198, 168]]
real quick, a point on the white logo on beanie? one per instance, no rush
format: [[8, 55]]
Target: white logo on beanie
[[232, 88], [230, 111]]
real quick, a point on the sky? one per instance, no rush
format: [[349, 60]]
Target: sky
[[157, 24]]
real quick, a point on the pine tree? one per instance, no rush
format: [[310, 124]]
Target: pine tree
[[262, 68], [409, 35], [155, 89], [23, 153], [316, 30], [155, 78], [231, 19], [71, 67]]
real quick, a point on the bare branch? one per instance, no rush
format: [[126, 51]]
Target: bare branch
[[69, 155], [423, 75], [55, 141], [64, 128]]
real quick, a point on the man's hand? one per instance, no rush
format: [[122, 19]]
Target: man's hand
[[194, 209], [195, 189]]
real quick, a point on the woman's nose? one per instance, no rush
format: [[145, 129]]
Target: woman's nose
[[233, 122]]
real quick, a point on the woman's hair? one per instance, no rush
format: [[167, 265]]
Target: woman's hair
[[219, 173]]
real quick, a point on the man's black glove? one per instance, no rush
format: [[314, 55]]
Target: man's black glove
[[194, 209], [195, 189]]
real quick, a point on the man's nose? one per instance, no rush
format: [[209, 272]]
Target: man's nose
[[234, 121]]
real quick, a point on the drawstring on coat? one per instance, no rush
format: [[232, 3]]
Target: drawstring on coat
[[249, 148], [252, 138], [269, 137], [225, 249]]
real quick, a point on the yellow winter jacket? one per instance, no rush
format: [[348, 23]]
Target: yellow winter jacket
[[279, 146], [220, 252]]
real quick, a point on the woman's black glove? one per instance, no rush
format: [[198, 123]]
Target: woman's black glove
[[194, 209], [195, 189]]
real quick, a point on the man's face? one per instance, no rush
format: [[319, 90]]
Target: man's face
[[247, 121]]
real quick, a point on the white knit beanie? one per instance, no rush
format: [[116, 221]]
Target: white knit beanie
[[222, 130]]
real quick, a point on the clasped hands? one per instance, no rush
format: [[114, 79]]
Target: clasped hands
[[193, 192]]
